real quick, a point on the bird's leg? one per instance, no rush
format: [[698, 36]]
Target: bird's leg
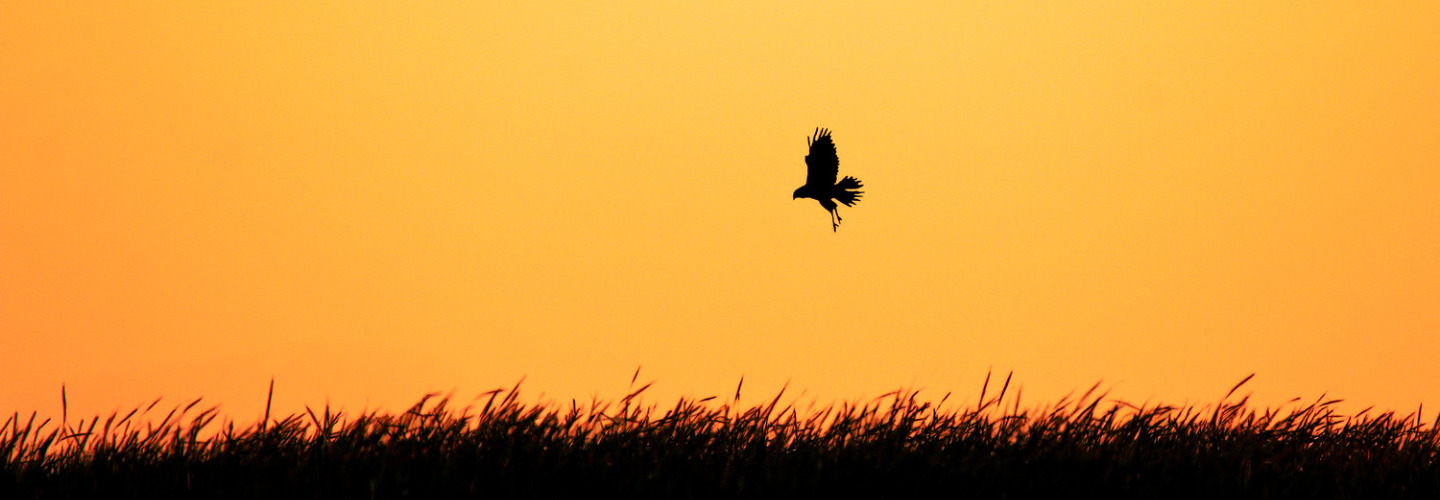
[[834, 220]]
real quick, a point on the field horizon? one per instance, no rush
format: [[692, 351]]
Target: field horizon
[[65, 398], [716, 446]]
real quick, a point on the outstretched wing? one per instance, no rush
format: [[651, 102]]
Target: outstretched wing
[[822, 161]]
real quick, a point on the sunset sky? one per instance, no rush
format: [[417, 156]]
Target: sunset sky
[[369, 201]]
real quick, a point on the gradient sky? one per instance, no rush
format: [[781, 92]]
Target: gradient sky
[[369, 201]]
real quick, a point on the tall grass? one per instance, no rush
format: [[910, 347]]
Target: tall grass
[[896, 444]]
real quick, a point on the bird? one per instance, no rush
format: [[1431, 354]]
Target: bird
[[823, 166]]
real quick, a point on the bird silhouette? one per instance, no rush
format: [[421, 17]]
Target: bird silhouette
[[823, 166]]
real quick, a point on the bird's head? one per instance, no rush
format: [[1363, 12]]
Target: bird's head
[[797, 193]]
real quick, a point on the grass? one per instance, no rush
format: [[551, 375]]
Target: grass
[[897, 444]]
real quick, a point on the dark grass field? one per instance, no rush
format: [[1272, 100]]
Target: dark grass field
[[895, 445]]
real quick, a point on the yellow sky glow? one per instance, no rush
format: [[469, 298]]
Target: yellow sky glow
[[372, 201]]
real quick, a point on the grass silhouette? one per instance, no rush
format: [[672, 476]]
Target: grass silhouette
[[895, 444]]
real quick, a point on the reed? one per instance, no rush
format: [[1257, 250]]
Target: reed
[[896, 444]]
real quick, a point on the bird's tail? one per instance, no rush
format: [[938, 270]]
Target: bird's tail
[[848, 191]]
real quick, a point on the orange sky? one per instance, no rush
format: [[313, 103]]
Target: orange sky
[[369, 202]]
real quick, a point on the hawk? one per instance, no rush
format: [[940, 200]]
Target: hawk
[[823, 166]]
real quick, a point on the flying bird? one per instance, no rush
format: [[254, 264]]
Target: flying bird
[[823, 166]]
